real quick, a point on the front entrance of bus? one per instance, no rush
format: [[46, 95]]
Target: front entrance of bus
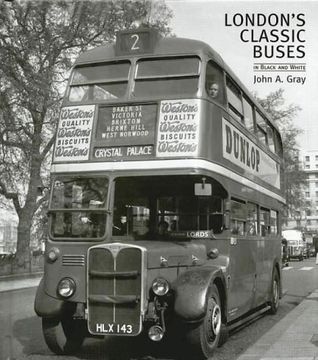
[[159, 229]]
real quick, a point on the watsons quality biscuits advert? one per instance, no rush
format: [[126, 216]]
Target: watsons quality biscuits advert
[[74, 133], [178, 128]]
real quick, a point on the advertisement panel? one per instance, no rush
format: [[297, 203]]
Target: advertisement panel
[[74, 133], [244, 153], [178, 128]]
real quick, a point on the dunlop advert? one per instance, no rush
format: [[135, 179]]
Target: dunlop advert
[[244, 153]]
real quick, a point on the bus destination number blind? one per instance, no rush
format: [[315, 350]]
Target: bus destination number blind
[[136, 42]]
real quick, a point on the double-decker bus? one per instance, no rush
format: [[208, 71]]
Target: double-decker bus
[[165, 210]]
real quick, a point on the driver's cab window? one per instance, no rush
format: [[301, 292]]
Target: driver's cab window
[[214, 82]]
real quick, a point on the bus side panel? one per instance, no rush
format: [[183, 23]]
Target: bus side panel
[[243, 262]]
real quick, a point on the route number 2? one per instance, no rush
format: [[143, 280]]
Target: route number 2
[[135, 45]]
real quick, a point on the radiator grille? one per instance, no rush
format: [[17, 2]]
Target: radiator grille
[[115, 290], [73, 260]]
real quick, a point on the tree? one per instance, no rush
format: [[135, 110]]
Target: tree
[[294, 176], [38, 43]]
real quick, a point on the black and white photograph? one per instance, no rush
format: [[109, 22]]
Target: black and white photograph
[[158, 180]]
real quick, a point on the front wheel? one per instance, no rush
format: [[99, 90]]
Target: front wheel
[[204, 338], [63, 336], [274, 302]]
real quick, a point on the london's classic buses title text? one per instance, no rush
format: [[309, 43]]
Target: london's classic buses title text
[[273, 35]]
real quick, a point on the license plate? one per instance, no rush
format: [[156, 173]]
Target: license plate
[[115, 329]]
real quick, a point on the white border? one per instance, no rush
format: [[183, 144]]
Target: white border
[[163, 164]]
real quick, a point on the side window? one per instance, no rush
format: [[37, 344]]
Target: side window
[[238, 217], [264, 221], [278, 143], [261, 128], [248, 115], [270, 137], [234, 100], [215, 82], [252, 219], [274, 222]]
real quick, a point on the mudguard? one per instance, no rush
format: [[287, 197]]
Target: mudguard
[[45, 305], [191, 289]]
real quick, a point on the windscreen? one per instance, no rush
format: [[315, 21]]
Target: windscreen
[[167, 76], [78, 207], [99, 82], [165, 206]]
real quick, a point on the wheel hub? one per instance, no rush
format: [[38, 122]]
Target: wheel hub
[[214, 320]]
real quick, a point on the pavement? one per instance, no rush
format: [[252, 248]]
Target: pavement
[[21, 281], [293, 337]]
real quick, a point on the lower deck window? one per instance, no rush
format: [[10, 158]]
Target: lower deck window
[[238, 217], [163, 206]]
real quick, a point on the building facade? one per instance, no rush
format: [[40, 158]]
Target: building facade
[[309, 217], [8, 232]]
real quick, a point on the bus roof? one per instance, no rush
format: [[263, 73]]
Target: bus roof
[[292, 234], [169, 47]]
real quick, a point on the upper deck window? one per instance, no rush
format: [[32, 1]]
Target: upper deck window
[[234, 100], [215, 82], [248, 115], [271, 139], [99, 82], [168, 67], [261, 128], [167, 76]]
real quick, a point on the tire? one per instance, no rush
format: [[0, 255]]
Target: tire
[[275, 286], [64, 336], [224, 335], [204, 338]]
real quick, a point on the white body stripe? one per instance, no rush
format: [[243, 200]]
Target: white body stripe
[[161, 165]]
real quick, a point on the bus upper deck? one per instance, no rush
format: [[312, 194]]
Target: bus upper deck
[[146, 106]]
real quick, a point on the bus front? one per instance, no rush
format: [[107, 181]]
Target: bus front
[[133, 211]]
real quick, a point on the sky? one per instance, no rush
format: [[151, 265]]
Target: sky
[[218, 24]]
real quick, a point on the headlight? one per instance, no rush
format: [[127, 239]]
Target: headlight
[[160, 286], [53, 254], [66, 287]]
